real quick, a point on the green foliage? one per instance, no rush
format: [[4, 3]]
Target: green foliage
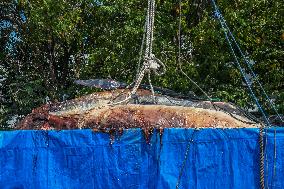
[[65, 40]]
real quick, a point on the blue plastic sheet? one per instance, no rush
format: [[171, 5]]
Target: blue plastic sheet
[[216, 158]]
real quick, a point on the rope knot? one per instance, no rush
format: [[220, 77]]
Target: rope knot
[[152, 63]]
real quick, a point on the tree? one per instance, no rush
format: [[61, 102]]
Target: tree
[[59, 41]]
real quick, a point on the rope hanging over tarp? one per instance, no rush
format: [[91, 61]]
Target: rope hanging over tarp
[[227, 34], [232, 41]]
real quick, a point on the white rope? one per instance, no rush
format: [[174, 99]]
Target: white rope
[[151, 86], [150, 63], [152, 16], [148, 25]]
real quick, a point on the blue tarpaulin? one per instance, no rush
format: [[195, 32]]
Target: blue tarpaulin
[[212, 158]]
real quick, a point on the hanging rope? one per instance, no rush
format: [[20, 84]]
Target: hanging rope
[[207, 96], [185, 158], [266, 98], [261, 148], [215, 106], [220, 16], [150, 62], [262, 155], [228, 35]]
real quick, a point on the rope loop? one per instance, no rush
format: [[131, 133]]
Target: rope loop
[[154, 64]]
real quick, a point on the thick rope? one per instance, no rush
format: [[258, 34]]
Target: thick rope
[[135, 88], [152, 16], [261, 146], [265, 159], [151, 63], [148, 25]]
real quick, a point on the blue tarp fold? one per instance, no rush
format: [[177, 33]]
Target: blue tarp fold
[[216, 158]]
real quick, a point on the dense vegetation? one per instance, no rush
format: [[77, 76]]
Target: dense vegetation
[[46, 45]]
